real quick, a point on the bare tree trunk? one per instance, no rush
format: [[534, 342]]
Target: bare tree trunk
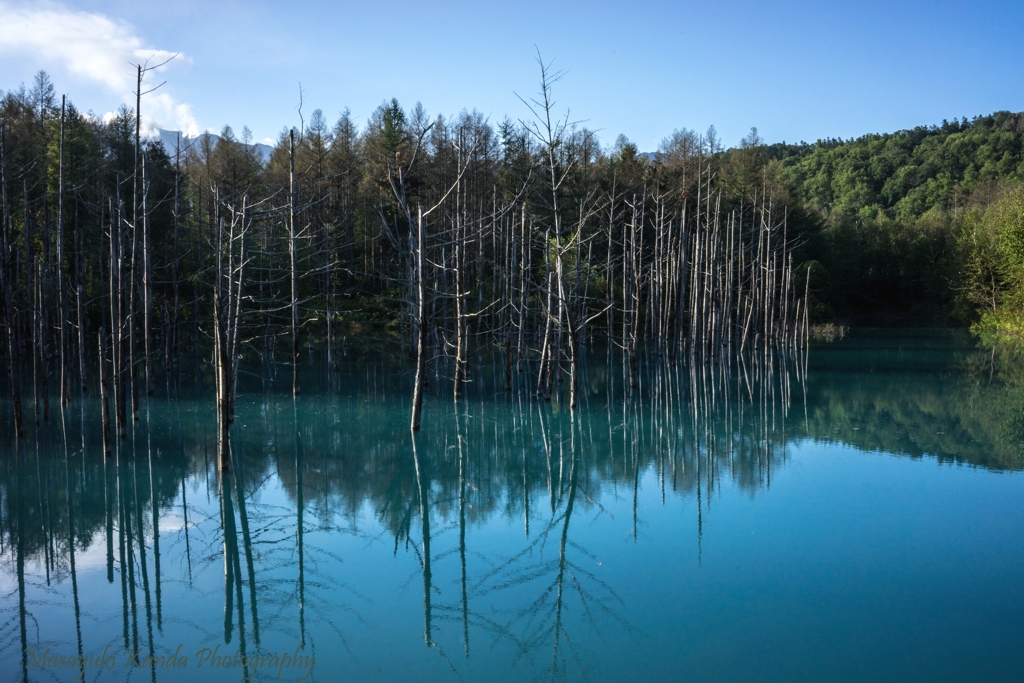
[[460, 316], [421, 337], [807, 309], [30, 279], [525, 268], [62, 295], [221, 317], [42, 350], [328, 301], [545, 349], [79, 293], [117, 317], [227, 310], [132, 359], [236, 312], [172, 342], [294, 263], [83, 384], [147, 285], [104, 406]]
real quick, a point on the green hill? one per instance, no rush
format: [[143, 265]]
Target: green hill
[[898, 218]]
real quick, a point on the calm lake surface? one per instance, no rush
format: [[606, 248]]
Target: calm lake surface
[[855, 515]]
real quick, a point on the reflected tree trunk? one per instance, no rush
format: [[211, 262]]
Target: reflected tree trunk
[[121, 553], [422, 491], [243, 519], [20, 571], [108, 502], [70, 511], [462, 537], [227, 521], [299, 527], [155, 512]]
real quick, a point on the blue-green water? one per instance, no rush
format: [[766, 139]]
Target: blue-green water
[[858, 516]]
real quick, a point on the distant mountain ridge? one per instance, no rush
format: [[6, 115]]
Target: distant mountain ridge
[[172, 138]]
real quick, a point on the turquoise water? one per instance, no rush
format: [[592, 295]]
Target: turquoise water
[[855, 515]]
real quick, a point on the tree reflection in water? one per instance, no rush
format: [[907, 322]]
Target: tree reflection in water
[[552, 582], [271, 539]]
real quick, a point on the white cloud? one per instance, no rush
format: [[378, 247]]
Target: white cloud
[[163, 107], [98, 50]]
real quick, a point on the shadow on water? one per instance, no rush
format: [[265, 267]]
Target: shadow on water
[[166, 518]]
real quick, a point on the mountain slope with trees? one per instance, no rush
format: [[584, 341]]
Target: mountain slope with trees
[[899, 213]]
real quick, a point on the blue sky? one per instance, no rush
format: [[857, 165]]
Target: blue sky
[[797, 71]]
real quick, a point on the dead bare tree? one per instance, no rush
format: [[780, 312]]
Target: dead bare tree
[[228, 303], [549, 132], [139, 188], [62, 294], [293, 256]]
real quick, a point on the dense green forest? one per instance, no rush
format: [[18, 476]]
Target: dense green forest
[[527, 236], [919, 226]]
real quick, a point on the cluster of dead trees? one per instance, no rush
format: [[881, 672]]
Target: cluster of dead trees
[[463, 239]]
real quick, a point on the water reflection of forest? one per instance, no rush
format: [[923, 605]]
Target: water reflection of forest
[[338, 453], [347, 448], [924, 396], [690, 427]]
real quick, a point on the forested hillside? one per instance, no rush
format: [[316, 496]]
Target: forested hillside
[[902, 218]]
